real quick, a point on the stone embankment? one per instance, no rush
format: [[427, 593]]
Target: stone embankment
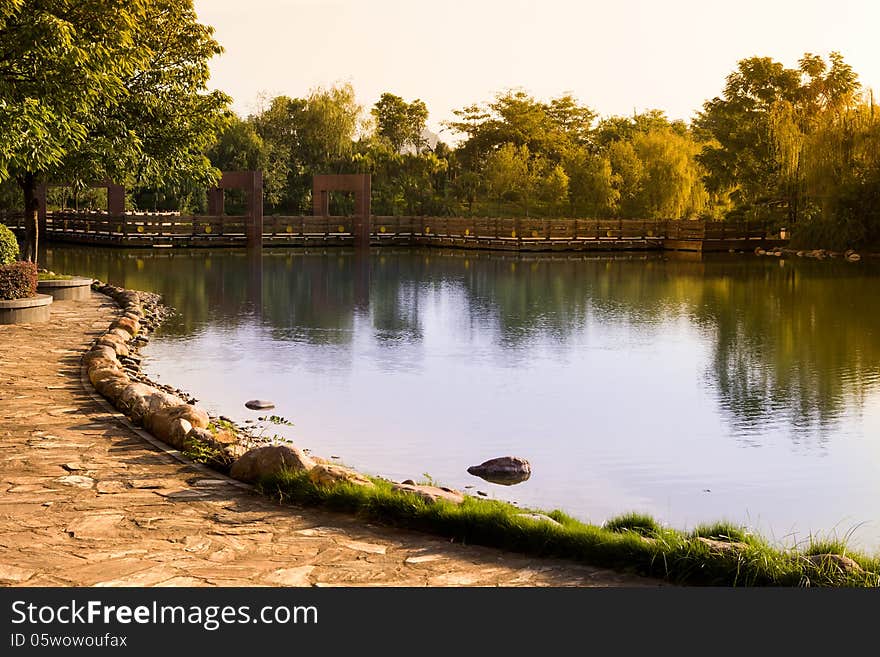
[[820, 254]]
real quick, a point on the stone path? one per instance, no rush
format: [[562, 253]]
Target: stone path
[[85, 501]]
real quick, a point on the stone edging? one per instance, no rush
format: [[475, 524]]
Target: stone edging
[[176, 425], [26, 302], [76, 281]]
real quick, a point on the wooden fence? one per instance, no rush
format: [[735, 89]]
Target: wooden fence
[[525, 233]]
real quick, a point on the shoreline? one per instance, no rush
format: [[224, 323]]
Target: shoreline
[[711, 554]]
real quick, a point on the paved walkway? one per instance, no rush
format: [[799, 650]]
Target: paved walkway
[[85, 501]]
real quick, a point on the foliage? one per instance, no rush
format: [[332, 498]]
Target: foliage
[[105, 88], [399, 122], [8, 246], [757, 126], [303, 137], [18, 280]]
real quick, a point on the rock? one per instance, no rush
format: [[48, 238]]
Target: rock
[[259, 404], [431, 493], [138, 400], [839, 561], [539, 517], [99, 351], [225, 441], [127, 324], [165, 423], [178, 432], [801, 254], [722, 546], [505, 470], [110, 383], [326, 474], [116, 343], [148, 405], [101, 361], [759, 251], [408, 482], [270, 460], [112, 386], [100, 373], [123, 335], [853, 257]]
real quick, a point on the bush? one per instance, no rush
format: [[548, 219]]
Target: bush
[[8, 246], [18, 280]]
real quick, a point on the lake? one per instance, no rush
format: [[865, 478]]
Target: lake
[[694, 389]]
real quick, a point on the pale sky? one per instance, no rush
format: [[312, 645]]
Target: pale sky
[[615, 56]]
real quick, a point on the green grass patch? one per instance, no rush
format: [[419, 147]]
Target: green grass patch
[[633, 543], [639, 523], [52, 276], [723, 531]]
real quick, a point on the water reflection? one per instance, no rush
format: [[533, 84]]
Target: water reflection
[[797, 338]]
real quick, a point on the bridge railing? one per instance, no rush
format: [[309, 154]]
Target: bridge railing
[[520, 229], [135, 227], [12, 219]]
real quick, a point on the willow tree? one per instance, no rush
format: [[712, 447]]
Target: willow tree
[[841, 178], [103, 88], [671, 178], [754, 129]]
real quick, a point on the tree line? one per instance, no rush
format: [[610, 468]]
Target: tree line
[[798, 147], [117, 89]]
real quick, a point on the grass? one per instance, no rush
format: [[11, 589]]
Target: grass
[[723, 531], [52, 276], [631, 543]]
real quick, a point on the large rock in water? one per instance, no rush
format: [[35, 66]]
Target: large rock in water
[[270, 460], [505, 470], [259, 404]]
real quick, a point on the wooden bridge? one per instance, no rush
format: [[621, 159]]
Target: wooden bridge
[[506, 234]]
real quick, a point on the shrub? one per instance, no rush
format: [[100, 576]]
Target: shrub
[[18, 280], [8, 246]]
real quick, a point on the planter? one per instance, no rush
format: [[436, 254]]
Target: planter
[[30, 310], [70, 289]]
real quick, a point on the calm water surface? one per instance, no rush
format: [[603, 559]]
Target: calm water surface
[[736, 388]]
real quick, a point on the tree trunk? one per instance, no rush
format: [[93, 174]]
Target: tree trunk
[[28, 184]]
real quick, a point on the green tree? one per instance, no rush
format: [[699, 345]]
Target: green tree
[[399, 122], [308, 136], [670, 184], [753, 131], [591, 187], [507, 176], [104, 88]]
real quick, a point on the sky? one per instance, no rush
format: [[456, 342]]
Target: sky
[[616, 56]]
